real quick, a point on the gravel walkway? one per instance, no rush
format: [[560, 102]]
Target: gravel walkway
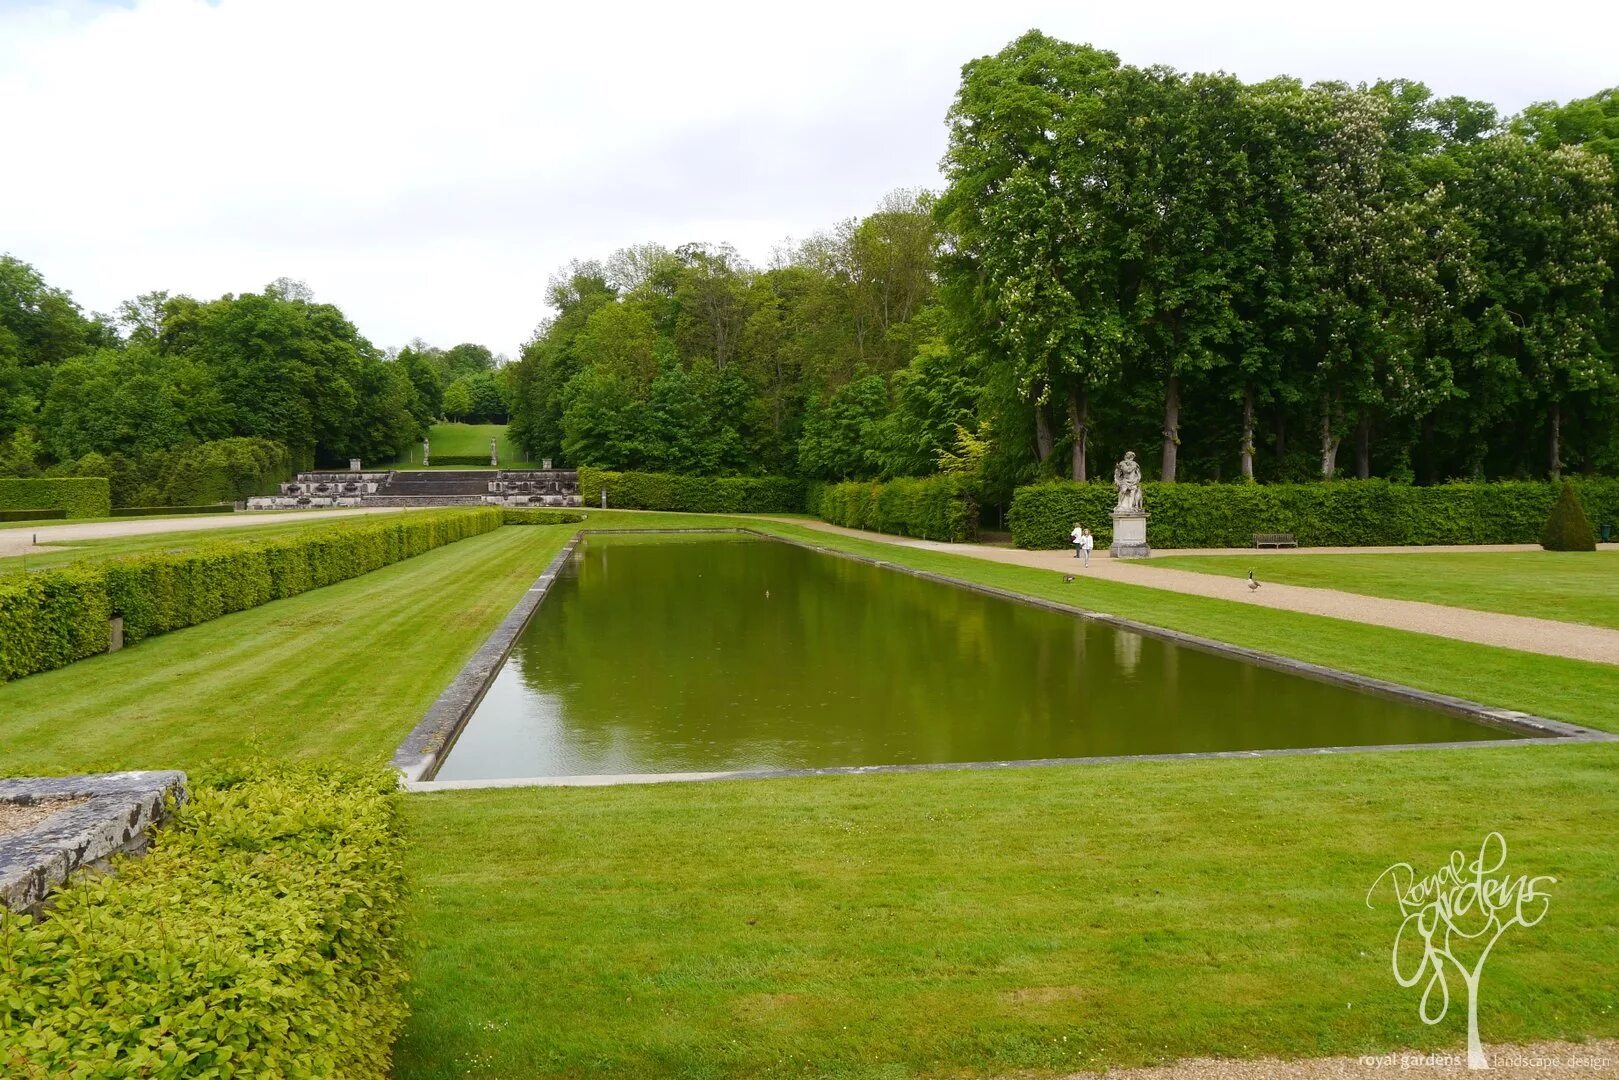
[[1545, 636], [20, 541], [1599, 1057]]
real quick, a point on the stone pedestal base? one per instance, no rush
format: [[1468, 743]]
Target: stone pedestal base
[[1129, 535]]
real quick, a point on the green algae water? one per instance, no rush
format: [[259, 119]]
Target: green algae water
[[657, 654]]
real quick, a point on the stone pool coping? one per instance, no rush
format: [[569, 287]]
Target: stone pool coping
[[115, 816], [420, 755]]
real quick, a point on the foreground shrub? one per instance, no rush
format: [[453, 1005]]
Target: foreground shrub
[[519, 516], [1351, 513], [80, 496], [225, 470], [52, 618], [260, 936], [932, 507], [1567, 527], [692, 494]]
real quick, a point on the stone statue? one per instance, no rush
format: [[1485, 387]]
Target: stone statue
[[494, 456], [424, 453], [1127, 478]]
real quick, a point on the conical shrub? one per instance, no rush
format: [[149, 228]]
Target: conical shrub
[[1568, 529]]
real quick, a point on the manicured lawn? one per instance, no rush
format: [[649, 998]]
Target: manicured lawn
[[340, 672], [974, 923], [464, 440], [1571, 586], [953, 923]]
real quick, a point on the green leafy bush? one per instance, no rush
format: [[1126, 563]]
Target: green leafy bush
[[81, 497], [519, 516], [459, 459], [1567, 527], [171, 511], [692, 494], [52, 618], [225, 470], [260, 936], [33, 515], [1352, 513], [932, 507]]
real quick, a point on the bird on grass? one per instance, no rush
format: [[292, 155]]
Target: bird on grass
[[1067, 578], [1252, 584]]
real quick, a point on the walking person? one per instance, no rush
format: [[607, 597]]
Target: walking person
[[1086, 543], [1079, 540]]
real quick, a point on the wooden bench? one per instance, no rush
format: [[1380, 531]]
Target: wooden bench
[[1274, 540]]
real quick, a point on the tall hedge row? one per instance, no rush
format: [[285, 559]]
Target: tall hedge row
[[1353, 513], [52, 618], [931, 507], [81, 497], [692, 494], [260, 936]]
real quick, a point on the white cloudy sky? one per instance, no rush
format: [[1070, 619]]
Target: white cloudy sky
[[426, 166]]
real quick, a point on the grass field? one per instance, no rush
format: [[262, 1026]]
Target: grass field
[[984, 923], [465, 440], [954, 923], [1570, 586]]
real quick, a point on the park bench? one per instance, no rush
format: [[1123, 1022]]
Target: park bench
[[1274, 540]]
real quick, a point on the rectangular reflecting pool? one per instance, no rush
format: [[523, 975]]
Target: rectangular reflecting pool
[[709, 653]]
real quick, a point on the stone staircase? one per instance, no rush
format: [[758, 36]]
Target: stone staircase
[[469, 487]]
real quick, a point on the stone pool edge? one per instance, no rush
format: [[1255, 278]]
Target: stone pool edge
[[424, 749]]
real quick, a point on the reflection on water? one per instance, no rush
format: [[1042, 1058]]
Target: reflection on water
[[672, 654]]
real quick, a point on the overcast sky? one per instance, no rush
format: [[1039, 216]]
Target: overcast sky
[[427, 166]]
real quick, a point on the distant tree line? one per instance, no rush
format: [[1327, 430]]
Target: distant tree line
[[131, 395], [1268, 280]]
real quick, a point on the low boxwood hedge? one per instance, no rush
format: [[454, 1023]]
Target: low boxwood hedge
[[52, 618], [172, 511], [521, 516], [692, 494], [259, 936], [33, 515], [458, 459], [80, 496], [1350, 513], [931, 508]]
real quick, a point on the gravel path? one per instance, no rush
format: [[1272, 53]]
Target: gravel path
[[20, 541], [1545, 636], [1600, 1057]]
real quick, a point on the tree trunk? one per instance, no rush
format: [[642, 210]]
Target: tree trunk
[[1172, 427], [1329, 444], [1248, 434], [1556, 441], [1079, 415], [1363, 447], [1043, 441]]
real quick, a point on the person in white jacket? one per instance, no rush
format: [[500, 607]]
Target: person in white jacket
[[1079, 540], [1086, 543]]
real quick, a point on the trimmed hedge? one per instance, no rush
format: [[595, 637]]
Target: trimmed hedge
[[931, 508], [80, 496], [1349, 513], [33, 515], [692, 494], [260, 936], [172, 511], [520, 516], [459, 459], [52, 618]]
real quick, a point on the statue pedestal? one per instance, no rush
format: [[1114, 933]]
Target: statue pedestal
[[1129, 535]]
